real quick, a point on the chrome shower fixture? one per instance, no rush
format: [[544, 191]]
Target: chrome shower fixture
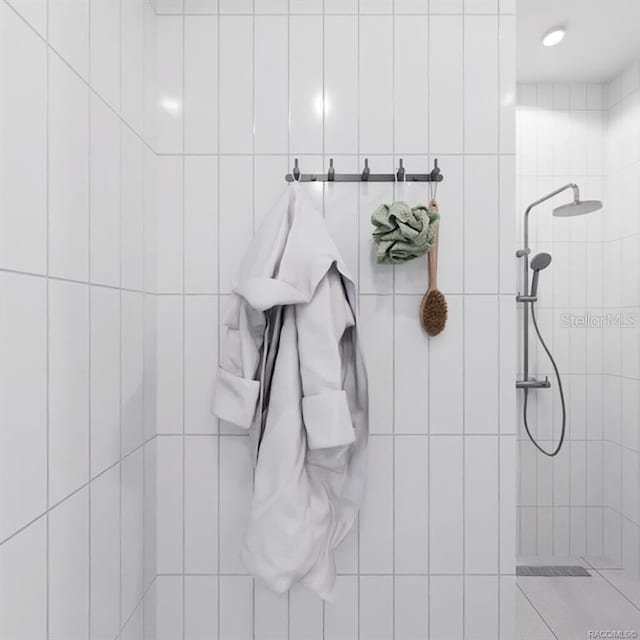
[[530, 295], [538, 263]]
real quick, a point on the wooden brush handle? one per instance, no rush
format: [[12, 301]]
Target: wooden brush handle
[[433, 260]]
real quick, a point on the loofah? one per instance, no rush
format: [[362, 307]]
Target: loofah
[[433, 312]]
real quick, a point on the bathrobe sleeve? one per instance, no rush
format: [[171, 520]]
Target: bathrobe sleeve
[[237, 387], [321, 327]]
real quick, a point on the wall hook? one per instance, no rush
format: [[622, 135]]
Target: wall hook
[[296, 170], [365, 171], [331, 174], [400, 174], [435, 173]]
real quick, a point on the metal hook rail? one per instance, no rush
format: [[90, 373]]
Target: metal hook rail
[[366, 176]]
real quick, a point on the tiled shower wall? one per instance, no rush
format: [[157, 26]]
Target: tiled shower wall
[[243, 88], [76, 324], [587, 500], [621, 245], [561, 137]]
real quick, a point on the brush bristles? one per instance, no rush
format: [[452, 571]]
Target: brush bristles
[[434, 313]]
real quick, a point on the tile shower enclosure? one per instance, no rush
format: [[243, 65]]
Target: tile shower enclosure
[[142, 143], [587, 500]]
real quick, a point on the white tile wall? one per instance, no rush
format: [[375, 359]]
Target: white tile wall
[[74, 366], [587, 501], [166, 136], [273, 81]]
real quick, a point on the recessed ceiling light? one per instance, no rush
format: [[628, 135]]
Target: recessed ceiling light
[[553, 37]]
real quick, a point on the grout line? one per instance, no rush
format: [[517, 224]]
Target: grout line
[[536, 610], [48, 336], [183, 310], [218, 441]]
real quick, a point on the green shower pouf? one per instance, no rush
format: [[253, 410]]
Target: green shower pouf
[[402, 232]]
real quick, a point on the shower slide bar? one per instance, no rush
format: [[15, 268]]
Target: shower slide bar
[[366, 176]]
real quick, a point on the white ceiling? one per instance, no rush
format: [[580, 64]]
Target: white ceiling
[[602, 37]]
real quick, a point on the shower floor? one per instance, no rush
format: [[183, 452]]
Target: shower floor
[[569, 608]]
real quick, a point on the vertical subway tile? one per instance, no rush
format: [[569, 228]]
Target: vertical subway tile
[[236, 607], [341, 84], [306, 613], [481, 221], [235, 499], [105, 554], [377, 336], [411, 606], [445, 504], [169, 74], [104, 195], [105, 377], [410, 502], [132, 206], [169, 616], [200, 358], [23, 584], [131, 370], [446, 607], [451, 202], [446, 412], [481, 84], [375, 84], [170, 327], [307, 102], [411, 74], [131, 533], [341, 214], [410, 380], [271, 614], [105, 50], [201, 504], [374, 277], [68, 387], [23, 400], [69, 567], [271, 78], [169, 224], [200, 607], [201, 84], [481, 607], [507, 79], [376, 607], [481, 504], [236, 216], [68, 32], [236, 84], [132, 62], [481, 372], [376, 515], [68, 172], [23, 153], [201, 224], [170, 506], [341, 616]]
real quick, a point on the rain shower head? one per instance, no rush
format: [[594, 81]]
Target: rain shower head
[[577, 208]]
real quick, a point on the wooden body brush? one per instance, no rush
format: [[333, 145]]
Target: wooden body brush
[[433, 308]]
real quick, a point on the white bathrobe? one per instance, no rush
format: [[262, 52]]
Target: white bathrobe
[[292, 371]]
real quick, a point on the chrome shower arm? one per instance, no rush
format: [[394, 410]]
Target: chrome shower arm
[[576, 198]]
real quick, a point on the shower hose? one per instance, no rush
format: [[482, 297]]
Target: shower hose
[[555, 452]]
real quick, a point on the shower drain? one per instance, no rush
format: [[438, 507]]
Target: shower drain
[[547, 571]]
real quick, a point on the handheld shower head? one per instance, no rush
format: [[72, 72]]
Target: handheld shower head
[[539, 262]]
